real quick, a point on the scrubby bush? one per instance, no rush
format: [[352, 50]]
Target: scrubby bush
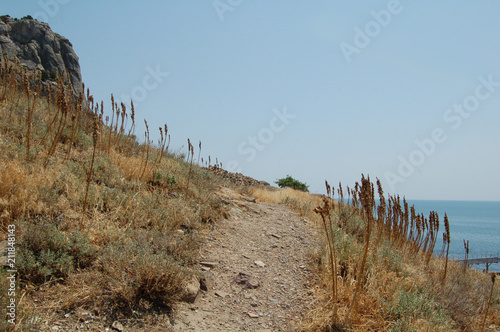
[[410, 306], [48, 75], [292, 183], [145, 266], [45, 252]]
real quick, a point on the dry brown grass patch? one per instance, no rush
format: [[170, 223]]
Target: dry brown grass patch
[[300, 201]]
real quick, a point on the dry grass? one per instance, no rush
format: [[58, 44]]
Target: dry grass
[[300, 201], [97, 214]]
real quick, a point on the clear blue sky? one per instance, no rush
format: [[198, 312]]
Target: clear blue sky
[[407, 91]]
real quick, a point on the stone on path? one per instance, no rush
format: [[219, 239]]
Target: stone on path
[[259, 263], [190, 291], [209, 264], [221, 294], [252, 314], [245, 279]]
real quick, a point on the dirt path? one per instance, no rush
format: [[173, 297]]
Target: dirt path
[[256, 269]]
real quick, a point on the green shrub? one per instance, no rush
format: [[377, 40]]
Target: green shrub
[[160, 180], [391, 258], [45, 252], [409, 306], [48, 75], [105, 172], [292, 183]]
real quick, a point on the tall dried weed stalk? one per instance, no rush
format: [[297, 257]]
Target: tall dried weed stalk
[[146, 154], [490, 297], [368, 204], [446, 237], [326, 217], [95, 138], [190, 157], [29, 117], [466, 259]]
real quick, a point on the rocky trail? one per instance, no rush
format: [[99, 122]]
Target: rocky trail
[[256, 270]]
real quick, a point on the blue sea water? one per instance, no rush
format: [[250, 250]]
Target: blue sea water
[[475, 221]]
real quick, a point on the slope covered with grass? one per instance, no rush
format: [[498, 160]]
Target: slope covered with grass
[[101, 221]]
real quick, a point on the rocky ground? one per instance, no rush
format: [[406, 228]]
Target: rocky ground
[[256, 268], [236, 178]]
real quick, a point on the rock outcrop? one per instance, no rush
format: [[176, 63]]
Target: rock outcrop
[[236, 178], [37, 46]]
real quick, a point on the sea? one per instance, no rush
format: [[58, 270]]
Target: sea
[[475, 221]]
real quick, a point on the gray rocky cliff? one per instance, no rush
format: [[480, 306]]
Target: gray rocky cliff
[[37, 46]]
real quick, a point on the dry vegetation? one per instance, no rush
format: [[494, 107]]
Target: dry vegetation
[[102, 222], [377, 271]]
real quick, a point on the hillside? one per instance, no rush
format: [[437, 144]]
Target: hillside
[[113, 233], [99, 220]]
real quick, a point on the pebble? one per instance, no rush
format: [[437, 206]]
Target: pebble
[[260, 264], [252, 283], [221, 294], [252, 314], [117, 326], [209, 264]]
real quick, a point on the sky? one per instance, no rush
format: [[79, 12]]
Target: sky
[[404, 91]]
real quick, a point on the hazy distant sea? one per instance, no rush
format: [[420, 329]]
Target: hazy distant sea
[[476, 221]]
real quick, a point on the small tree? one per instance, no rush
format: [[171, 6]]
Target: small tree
[[292, 183]]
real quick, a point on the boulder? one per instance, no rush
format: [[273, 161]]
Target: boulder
[[38, 47]]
